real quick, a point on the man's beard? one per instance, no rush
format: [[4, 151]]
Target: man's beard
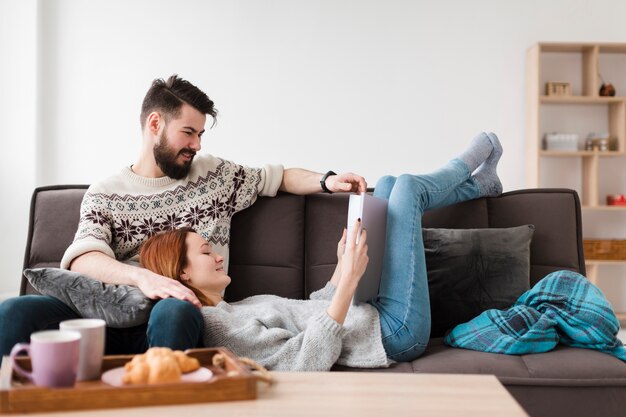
[[165, 158]]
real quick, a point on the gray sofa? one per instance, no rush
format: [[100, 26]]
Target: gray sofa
[[286, 246]]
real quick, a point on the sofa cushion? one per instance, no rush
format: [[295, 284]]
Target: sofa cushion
[[267, 249], [473, 270], [563, 365], [117, 305]]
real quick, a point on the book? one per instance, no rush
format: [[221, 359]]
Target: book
[[373, 213]]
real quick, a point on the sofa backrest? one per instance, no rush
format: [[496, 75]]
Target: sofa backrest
[[286, 245]]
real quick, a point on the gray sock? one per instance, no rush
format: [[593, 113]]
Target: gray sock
[[478, 151], [486, 176]]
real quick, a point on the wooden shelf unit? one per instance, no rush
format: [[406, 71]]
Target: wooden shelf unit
[[582, 102], [616, 125]]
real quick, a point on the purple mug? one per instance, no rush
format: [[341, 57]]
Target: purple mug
[[54, 358]]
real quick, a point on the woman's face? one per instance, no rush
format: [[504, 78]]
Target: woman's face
[[205, 268]]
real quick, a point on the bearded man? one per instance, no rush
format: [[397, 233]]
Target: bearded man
[[168, 187]]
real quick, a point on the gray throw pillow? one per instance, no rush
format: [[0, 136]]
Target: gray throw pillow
[[118, 305], [473, 270]]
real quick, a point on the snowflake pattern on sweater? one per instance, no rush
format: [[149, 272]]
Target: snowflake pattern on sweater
[[206, 200]]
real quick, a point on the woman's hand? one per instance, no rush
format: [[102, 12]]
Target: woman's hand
[[353, 264], [341, 246], [355, 259]]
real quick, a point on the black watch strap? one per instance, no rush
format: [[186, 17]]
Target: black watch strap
[[323, 181]]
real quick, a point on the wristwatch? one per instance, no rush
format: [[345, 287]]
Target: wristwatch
[[323, 181]]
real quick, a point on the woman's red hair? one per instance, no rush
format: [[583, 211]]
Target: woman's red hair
[[166, 254]]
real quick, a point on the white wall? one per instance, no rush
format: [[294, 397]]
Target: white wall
[[18, 130], [373, 86]]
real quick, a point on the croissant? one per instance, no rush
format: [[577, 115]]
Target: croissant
[[158, 366]]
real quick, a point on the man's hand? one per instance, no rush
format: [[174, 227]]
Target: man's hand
[[346, 183], [157, 286], [301, 182]]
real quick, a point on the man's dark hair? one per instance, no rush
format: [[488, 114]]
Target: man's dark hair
[[167, 98]]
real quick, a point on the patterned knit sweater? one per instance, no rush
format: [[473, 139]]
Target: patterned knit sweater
[[296, 335], [118, 214]]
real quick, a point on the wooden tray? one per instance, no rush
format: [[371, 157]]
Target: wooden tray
[[234, 382]]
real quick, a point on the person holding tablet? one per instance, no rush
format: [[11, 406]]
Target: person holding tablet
[[314, 334]]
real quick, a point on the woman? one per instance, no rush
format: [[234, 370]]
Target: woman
[[314, 334]]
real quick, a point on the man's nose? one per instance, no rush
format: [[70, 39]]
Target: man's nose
[[195, 144]]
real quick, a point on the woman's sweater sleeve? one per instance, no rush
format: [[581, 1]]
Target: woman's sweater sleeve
[[317, 348], [324, 293]]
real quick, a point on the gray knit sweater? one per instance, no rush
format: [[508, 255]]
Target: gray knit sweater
[[296, 335]]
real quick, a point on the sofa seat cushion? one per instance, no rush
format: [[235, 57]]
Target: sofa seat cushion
[[566, 364], [562, 366]]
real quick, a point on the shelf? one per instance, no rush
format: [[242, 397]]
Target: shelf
[[580, 99], [580, 153], [606, 47], [602, 207], [604, 262]]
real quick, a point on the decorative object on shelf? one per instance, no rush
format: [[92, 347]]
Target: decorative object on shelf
[[558, 89], [606, 89], [607, 249], [561, 142], [616, 200], [598, 142]]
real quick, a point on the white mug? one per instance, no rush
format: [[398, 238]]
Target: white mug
[[92, 342]]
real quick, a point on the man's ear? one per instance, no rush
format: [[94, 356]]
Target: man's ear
[[154, 123]]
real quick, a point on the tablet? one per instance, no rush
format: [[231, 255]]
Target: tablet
[[373, 213]]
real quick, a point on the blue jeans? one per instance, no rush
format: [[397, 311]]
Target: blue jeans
[[173, 323], [403, 302]]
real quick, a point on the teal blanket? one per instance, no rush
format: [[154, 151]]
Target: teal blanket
[[564, 307]]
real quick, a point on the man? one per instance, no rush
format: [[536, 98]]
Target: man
[[169, 186]]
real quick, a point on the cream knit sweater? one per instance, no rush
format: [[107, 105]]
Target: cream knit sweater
[[118, 214]]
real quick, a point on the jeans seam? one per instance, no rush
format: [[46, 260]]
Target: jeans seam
[[421, 345], [402, 327]]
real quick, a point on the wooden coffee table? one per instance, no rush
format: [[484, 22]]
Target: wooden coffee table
[[361, 394]]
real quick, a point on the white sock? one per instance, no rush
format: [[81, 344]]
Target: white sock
[[486, 175], [478, 151]]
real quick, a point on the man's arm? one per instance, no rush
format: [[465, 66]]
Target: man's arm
[[102, 267], [300, 181]]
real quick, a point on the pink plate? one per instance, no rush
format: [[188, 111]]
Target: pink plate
[[114, 376]]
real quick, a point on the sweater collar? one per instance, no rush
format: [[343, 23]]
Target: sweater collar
[[145, 181]]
